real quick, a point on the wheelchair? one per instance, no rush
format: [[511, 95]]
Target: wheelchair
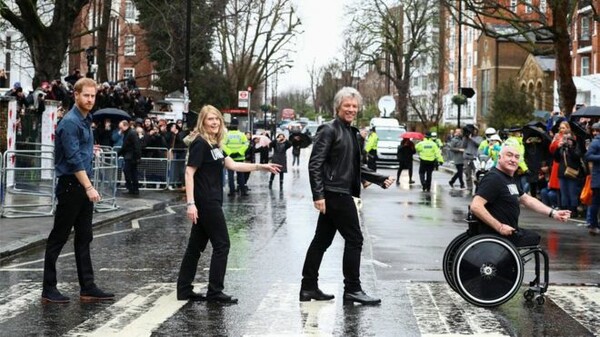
[[487, 270]]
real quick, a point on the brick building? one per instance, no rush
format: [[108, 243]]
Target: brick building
[[126, 52]]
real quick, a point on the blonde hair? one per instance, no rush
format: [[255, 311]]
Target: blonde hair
[[211, 139]]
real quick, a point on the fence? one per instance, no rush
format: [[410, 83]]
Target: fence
[[27, 177], [28, 185]]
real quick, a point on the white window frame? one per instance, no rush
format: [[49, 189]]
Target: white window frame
[[131, 72], [129, 45], [131, 13], [585, 65], [585, 28]]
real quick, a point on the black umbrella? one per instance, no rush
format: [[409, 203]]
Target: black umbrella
[[111, 113], [587, 111], [300, 139], [536, 129]]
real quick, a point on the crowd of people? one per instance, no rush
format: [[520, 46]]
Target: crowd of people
[[556, 158]]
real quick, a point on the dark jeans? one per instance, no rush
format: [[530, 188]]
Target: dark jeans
[[425, 170], [340, 215], [458, 175], [295, 160], [569, 194], [130, 170], [273, 177], [594, 207], [210, 226], [241, 180], [73, 209], [521, 238]]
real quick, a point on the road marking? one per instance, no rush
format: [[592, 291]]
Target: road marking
[[135, 223], [17, 299], [281, 306], [439, 312], [126, 269], [136, 314], [377, 263], [581, 303], [15, 267]]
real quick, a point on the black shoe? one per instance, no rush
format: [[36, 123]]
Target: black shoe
[[192, 297], [451, 184], [411, 182], [54, 296], [317, 295], [221, 298], [95, 294], [360, 297], [230, 194], [245, 192]]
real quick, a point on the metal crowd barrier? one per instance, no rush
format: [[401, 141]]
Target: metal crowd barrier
[[105, 180], [153, 171], [28, 184]]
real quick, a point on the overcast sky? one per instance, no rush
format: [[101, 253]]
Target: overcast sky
[[322, 22]]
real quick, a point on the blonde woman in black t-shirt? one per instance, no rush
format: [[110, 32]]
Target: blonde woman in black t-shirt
[[204, 192]]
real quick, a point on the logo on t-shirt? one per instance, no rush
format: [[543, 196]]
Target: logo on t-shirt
[[217, 154], [512, 188]]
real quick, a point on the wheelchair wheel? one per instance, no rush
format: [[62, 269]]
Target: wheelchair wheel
[[488, 270], [449, 256]]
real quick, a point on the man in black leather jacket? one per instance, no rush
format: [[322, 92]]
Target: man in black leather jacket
[[335, 178]]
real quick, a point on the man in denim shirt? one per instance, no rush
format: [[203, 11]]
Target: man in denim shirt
[[74, 147]]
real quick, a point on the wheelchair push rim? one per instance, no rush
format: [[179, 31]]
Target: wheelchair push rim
[[450, 257], [488, 270]]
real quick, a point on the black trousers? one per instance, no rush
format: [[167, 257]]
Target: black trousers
[[425, 170], [211, 227], [404, 165], [340, 215], [458, 175], [74, 210], [130, 170]]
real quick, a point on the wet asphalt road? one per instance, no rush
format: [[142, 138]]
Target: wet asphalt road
[[406, 232]]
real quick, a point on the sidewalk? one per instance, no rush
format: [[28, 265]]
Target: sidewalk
[[19, 234]]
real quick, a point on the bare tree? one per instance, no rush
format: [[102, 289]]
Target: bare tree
[[529, 22], [391, 45], [254, 40], [46, 27], [314, 74]]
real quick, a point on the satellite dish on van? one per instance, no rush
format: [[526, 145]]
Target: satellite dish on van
[[386, 105]]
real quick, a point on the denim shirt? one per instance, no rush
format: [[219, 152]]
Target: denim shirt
[[74, 144]]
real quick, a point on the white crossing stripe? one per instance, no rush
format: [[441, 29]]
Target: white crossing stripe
[[440, 311], [278, 313], [136, 314], [581, 303], [17, 298]]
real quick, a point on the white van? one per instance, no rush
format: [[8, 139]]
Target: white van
[[380, 122]]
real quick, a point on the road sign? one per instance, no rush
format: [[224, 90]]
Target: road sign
[[243, 98], [386, 106]]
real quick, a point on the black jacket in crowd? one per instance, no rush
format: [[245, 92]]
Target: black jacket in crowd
[[131, 149]]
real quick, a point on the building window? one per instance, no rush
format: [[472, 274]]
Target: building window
[[528, 6], [513, 5], [129, 45], [543, 6], [128, 73], [130, 11], [424, 83], [585, 28], [585, 65]]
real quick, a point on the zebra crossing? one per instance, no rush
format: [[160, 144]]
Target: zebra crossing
[[435, 310]]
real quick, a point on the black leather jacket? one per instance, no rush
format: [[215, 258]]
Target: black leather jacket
[[335, 161]]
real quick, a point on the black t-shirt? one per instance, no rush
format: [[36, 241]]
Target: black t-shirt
[[208, 179], [502, 194]]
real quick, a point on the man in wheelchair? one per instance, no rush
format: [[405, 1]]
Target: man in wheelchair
[[497, 200]]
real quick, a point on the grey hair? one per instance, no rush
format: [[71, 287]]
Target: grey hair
[[344, 93]]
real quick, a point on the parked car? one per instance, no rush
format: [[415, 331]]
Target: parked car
[[311, 129]]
